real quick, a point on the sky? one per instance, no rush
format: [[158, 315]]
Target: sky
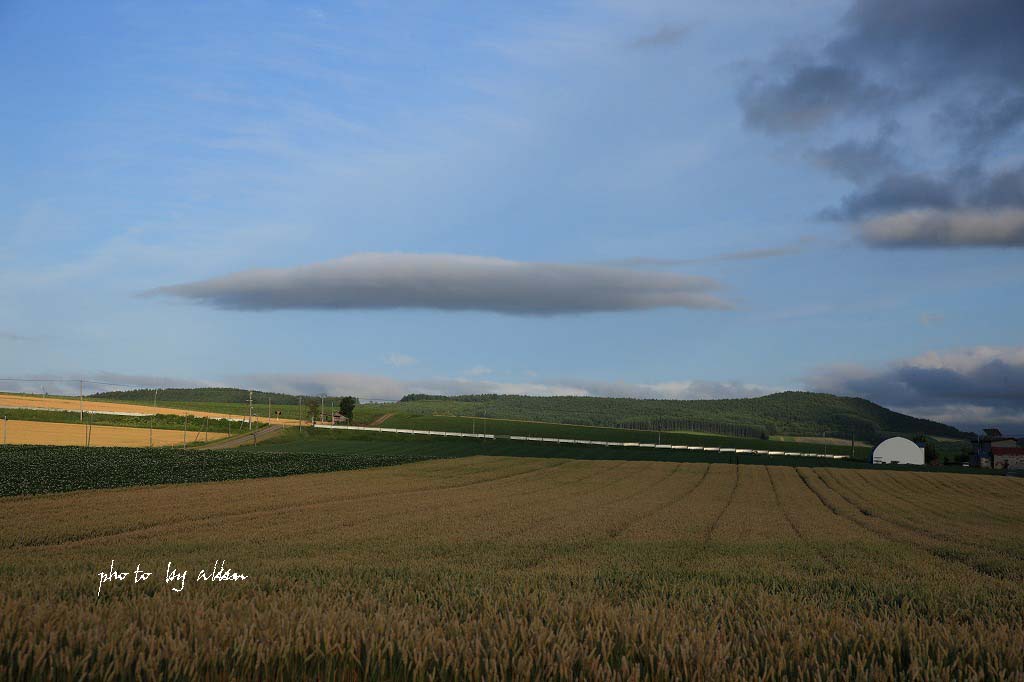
[[644, 198]]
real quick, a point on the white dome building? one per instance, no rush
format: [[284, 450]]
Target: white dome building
[[898, 451]]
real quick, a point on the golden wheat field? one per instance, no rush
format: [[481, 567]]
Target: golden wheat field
[[520, 568], [55, 433]]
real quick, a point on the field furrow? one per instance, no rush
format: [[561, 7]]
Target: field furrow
[[510, 567]]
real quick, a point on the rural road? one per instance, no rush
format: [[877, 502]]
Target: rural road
[[244, 439]]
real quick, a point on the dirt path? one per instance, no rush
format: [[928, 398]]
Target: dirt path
[[245, 439], [381, 419]]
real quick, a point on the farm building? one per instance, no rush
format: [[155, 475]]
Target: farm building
[[898, 451], [997, 451], [338, 418]]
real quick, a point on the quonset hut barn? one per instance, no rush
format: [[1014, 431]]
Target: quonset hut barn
[[898, 451]]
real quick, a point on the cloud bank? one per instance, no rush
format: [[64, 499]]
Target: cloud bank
[[378, 281], [749, 254], [969, 208], [98, 382], [386, 388], [972, 388]]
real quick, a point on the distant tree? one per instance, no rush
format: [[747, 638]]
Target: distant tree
[[347, 406], [312, 408], [965, 453]]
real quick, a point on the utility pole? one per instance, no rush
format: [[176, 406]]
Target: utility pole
[[323, 400], [268, 409], [300, 413], [250, 410], [184, 434], [152, 417]]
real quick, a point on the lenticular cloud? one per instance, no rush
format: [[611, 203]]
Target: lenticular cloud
[[375, 281]]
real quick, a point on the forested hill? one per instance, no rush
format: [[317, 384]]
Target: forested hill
[[196, 395], [791, 413]]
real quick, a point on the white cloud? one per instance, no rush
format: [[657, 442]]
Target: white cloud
[[399, 360]]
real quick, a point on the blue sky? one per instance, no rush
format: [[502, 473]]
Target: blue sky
[[824, 210]]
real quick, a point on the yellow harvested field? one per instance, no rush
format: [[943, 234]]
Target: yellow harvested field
[[51, 433], [73, 404]]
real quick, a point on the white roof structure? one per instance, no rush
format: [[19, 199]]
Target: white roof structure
[[898, 451]]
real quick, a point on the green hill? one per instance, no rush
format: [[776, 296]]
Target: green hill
[[791, 413]]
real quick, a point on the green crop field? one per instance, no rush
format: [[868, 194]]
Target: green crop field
[[489, 568], [34, 469], [306, 440], [508, 427]]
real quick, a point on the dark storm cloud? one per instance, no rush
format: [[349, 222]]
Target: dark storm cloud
[[955, 65], [859, 161], [935, 41], [889, 52], [982, 122], [894, 193], [969, 387], [1005, 188], [450, 282], [665, 35], [808, 97]]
